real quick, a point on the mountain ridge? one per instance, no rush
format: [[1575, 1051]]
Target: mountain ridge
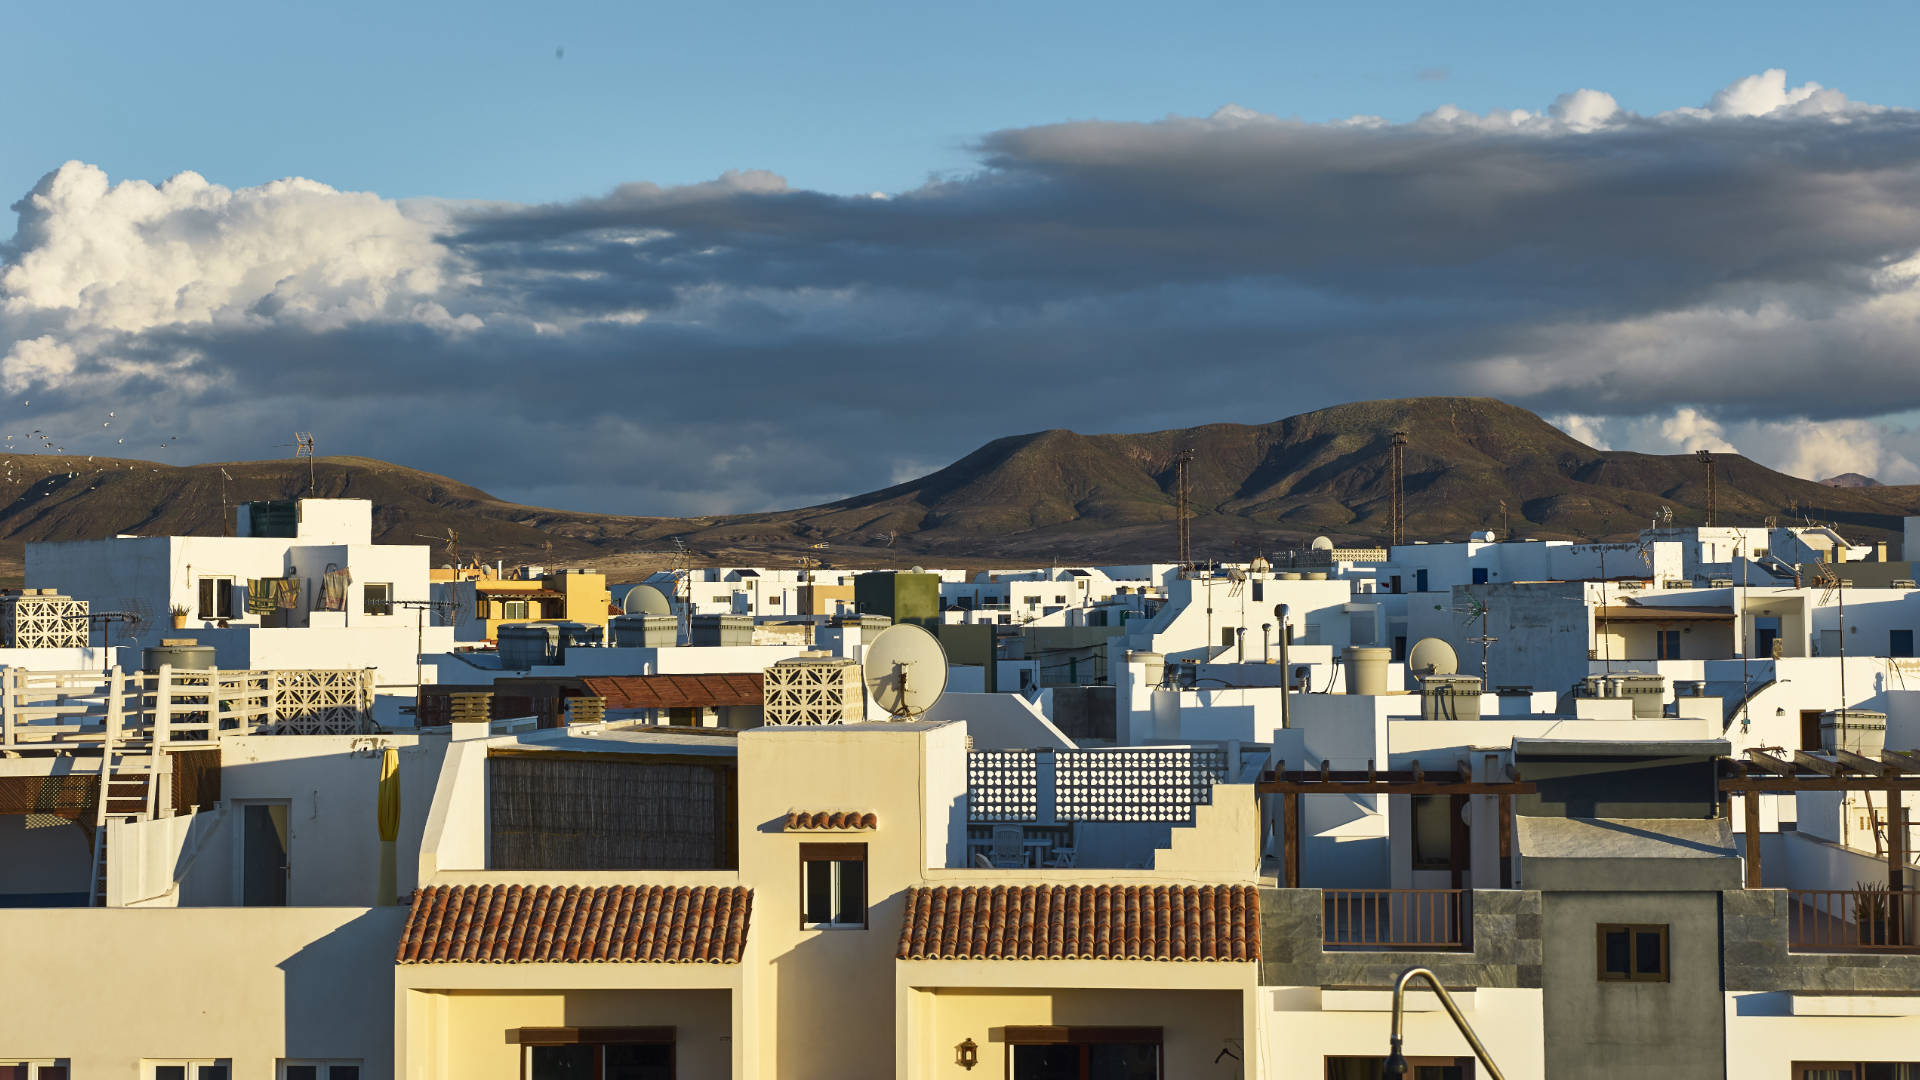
[[1055, 494]]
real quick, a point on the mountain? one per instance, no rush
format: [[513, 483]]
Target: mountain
[[1051, 495], [1852, 480]]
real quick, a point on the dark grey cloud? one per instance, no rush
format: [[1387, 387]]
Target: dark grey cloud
[[739, 345]]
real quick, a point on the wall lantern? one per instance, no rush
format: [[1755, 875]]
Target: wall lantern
[[967, 1055]]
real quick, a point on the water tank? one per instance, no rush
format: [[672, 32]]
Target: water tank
[[644, 631], [1863, 732], [1366, 669], [181, 653], [1450, 697], [525, 645], [721, 630], [1316, 575], [1154, 663], [1290, 575]]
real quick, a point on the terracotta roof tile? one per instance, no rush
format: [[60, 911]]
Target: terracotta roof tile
[[679, 691], [1082, 922], [835, 819], [522, 924]]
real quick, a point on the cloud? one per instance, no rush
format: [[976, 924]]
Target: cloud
[[741, 344], [1433, 74]]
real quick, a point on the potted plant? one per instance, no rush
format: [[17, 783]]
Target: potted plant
[[179, 616], [1872, 912]]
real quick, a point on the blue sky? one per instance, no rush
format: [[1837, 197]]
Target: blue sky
[[469, 100], [1702, 232]]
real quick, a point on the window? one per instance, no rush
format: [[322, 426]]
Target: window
[[376, 599], [1366, 1068], [1226, 637], [1259, 593], [216, 598], [1479, 575], [1632, 953], [1059, 599], [1899, 643], [1432, 817], [1666, 644], [1419, 581], [319, 1070], [634, 1053], [44, 1069], [1395, 580], [1083, 1053], [833, 886], [189, 1070], [1856, 1070], [513, 609]]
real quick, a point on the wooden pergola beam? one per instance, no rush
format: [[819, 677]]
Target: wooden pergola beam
[[1337, 786], [1737, 785], [1860, 763], [1902, 760], [1760, 759], [1817, 764]]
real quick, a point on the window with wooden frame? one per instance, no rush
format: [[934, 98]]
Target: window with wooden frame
[[216, 598], [319, 1070], [204, 1069], [1083, 1053], [1432, 829], [595, 1053], [1631, 953], [376, 598], [833, 886], [37, 1069], [1856, 1070], [1420, 1068]]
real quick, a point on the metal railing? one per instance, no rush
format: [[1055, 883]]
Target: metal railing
[[1396, 918], [1852, 920]]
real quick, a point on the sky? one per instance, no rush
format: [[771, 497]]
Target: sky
[[675, 259]]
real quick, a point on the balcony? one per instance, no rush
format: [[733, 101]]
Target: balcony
[[1853, 920], [1419, 919]]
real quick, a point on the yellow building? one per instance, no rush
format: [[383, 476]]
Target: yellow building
[[849, 940], [484, 604]]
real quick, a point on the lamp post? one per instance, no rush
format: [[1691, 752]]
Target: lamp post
[[1396, 1064]]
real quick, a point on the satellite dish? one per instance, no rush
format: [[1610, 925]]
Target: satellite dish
[[905, 670], [1321, 543], [1432, 656], [646, 600]]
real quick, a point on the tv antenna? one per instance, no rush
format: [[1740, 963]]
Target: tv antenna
[[1183, 497], [905, 670], [452, 540], [1829, 581], [226, 509], [1469, 609]]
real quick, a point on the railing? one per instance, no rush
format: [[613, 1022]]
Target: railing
[[1852, 920], [1396, 918], [169, 707]]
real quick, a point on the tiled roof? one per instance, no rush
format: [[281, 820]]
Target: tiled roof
[[838, 819], [515, 924], [678, 691], [1082, 922]]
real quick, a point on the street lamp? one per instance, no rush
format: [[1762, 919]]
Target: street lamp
[[1396, 1064]]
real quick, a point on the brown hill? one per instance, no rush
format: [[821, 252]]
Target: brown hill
[[1049, 495]]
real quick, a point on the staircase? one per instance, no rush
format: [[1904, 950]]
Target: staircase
[[126, 793]]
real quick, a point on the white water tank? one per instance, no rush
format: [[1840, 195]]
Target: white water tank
[[1366, 669]]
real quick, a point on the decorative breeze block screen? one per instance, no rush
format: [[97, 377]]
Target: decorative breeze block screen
[[1134, 785], [1003, 785]]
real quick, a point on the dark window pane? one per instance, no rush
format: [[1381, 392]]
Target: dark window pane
[[1646, 954], [819, 899], [303, 1072], [169, 1072], [51, 1072], [853, 893], [639, 1061], [1438, 1072], [1891, 1070], [1432, 832], [1124, 1061], [13, 1072], [211, 1072], [343, 1072], [562, 1063], [1616, 954], [1059, 1061]]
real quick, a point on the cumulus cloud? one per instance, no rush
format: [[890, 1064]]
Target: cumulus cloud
[[741, 344]]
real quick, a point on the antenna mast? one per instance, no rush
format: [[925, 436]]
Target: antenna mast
[[1182, 482], [303, 448], [1713, 495], [1397, 511]]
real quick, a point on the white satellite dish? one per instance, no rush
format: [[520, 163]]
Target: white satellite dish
[[1432, 656], [646, 600], [905, 671], [1321, 543]]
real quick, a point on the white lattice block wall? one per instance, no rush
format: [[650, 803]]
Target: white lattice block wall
[[44, 620], [815, 690]]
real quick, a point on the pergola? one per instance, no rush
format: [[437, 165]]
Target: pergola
[[1896, 772], [1415, 781]]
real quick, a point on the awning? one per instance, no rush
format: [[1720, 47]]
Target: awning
[[679, 691], [1622, 613], [521, 594]]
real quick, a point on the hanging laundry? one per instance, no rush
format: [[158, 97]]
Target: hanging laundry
[[333, 589], [260, 595]]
